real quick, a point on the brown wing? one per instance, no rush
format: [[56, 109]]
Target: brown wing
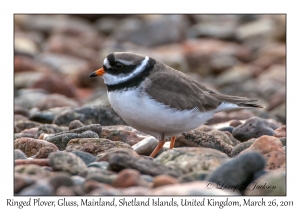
[[178, 91]]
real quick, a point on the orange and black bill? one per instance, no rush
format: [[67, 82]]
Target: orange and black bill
[[99, 72]]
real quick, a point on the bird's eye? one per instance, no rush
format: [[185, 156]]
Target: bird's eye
[[118, 65]]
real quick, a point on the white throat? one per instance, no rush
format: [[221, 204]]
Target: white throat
[[116, 79]]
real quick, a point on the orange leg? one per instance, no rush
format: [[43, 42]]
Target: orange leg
[[159, 146], [172, 142]]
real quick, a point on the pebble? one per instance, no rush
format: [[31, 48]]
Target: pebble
[[235, 123], [55, 83], [39, 188], [129, 178], [105, 156], [59, 179], [212, 139], [162, 180], [67, 161], [89, 115], [254, 128], [91, 185], [102, 165], [237, 173], [118, 162], [146, 146], [280, 132], [269, 184], [55, 100], [22, 181], [64, 191], [94, 146], [19, 154], [101, 175], [272, 149], [194, 176], [22, 125], [121, 133], [190, 189], [191, 159], [44, 152], [77, 180], [75, 124], [31, 146], [136, 191]]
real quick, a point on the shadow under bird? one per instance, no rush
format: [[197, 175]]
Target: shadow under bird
[[159, 100]]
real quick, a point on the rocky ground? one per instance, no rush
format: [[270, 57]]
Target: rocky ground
[[69, 141]]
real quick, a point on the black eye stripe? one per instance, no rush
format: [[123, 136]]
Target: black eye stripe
[[125, 70]]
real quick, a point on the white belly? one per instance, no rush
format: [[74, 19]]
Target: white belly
[[149, 116]]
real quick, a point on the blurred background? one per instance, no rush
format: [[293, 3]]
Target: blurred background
[[243, 55]]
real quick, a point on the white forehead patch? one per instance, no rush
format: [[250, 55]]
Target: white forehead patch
[[106, 63], [110, 79]]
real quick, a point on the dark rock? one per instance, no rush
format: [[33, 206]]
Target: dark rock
[[22, 125], [237, 173], [51, 129], [42, 117], [39, 188], [89, 115], [254, 128], [18, 154], [75, 124], [67, 161], [192, 159], [241, 147], [229, 129], [86, 157], [118, 162], [129, 178], [31, 146], [62, 140], [94, 146], [60, 179]]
